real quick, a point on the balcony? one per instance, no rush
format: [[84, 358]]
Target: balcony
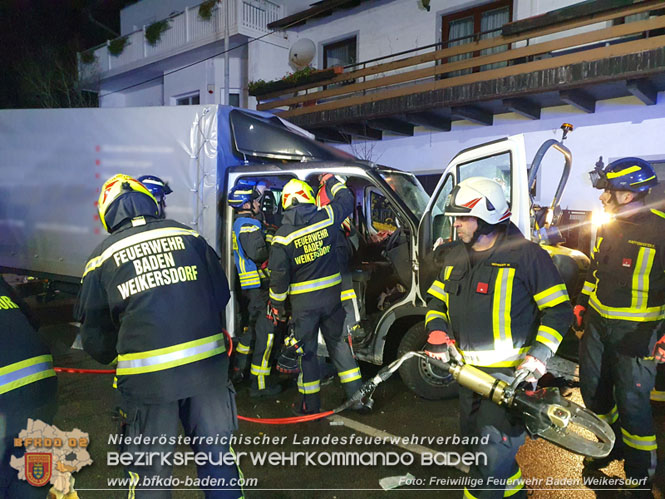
[[570, 56], [186, 31]]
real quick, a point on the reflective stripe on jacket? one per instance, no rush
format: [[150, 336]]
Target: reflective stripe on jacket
[[626, 279], [303, 260], [509, 304]]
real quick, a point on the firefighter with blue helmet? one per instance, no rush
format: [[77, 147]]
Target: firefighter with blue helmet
[[28, 387], [501, 301], [251, 251], [152, 301], [159, 189], [305, 270], [621, 308]]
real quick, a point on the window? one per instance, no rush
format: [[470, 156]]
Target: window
[[188, 100], [484, 21], [234, 99], [341, 53]]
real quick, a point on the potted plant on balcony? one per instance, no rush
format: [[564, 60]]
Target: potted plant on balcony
[[205, 9], [116, 47], [153, 33], [290, 80], [88, 57]]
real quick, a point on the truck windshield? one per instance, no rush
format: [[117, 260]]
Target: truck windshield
[[408, 189]]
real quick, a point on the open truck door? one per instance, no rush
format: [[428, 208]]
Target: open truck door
[[503, 160]]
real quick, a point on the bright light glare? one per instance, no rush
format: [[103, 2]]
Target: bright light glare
[[600, 217]]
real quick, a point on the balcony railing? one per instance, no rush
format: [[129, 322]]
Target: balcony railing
[[588, 39], [186, 30]]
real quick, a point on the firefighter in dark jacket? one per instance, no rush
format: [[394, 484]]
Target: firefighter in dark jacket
[[153, 298], [622, 306], [28, 387], [344, 252], [500, 298], [304, 268], [250, 251]]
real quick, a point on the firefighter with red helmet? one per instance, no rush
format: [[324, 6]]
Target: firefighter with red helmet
[[28, 387], [152, 300], [501, 300], [622, 307], [250, 251], [305, 269]]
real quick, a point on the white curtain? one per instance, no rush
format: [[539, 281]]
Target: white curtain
[[492, 21], [460, 32]]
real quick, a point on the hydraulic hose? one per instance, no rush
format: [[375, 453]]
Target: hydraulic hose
[[83, 371]]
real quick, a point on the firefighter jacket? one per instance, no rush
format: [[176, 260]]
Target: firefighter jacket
[[626, 279], [303, 264], [509, 304], [153, 294], [249, 251], [27, 378]]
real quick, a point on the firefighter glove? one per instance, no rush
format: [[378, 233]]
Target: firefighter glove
[[292, 344], [659, 350], [276, 313], [530, 370], [579, 311], [438, 346]]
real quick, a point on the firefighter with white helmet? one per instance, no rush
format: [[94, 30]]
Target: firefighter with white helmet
[[305, 269], [152, 300], [621, 308], [500, 300]]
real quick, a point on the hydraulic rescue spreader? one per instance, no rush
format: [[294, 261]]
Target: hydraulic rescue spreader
[[545, 412]]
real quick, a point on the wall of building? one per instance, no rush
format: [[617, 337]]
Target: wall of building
[[147, 94], [618, 128]]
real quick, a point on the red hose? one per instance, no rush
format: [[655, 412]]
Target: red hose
[[228, 337], [291, 420], [83, 371]]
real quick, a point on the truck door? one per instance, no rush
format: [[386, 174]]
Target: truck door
[[502, 160]]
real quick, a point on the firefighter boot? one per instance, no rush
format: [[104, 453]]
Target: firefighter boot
[[260, 388]]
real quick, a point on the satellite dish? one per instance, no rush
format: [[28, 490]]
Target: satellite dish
[[301, 53]]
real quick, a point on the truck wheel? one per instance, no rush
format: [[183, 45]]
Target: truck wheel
[[421, 378]]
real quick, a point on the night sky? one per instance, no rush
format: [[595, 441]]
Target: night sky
[[44, 30]]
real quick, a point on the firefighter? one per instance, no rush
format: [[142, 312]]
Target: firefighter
[[344, 252], [250, 251], [304, 267], [152, 299], [500, 298], [159, 189], [28, 387], [622, 306]]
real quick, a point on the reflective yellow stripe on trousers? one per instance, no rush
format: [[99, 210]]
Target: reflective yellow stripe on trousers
[[169, 357]]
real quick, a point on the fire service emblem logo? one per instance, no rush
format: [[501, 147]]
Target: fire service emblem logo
[[38, 468]]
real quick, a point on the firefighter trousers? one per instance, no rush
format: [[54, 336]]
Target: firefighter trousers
[[617, 387], [349, 302], [329, 318], [496, 473], [208, 415], [258, 334], [12, 422]]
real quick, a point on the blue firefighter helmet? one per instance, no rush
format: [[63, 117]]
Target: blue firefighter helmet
[[625, 174], [245, 191], [158, 188]]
